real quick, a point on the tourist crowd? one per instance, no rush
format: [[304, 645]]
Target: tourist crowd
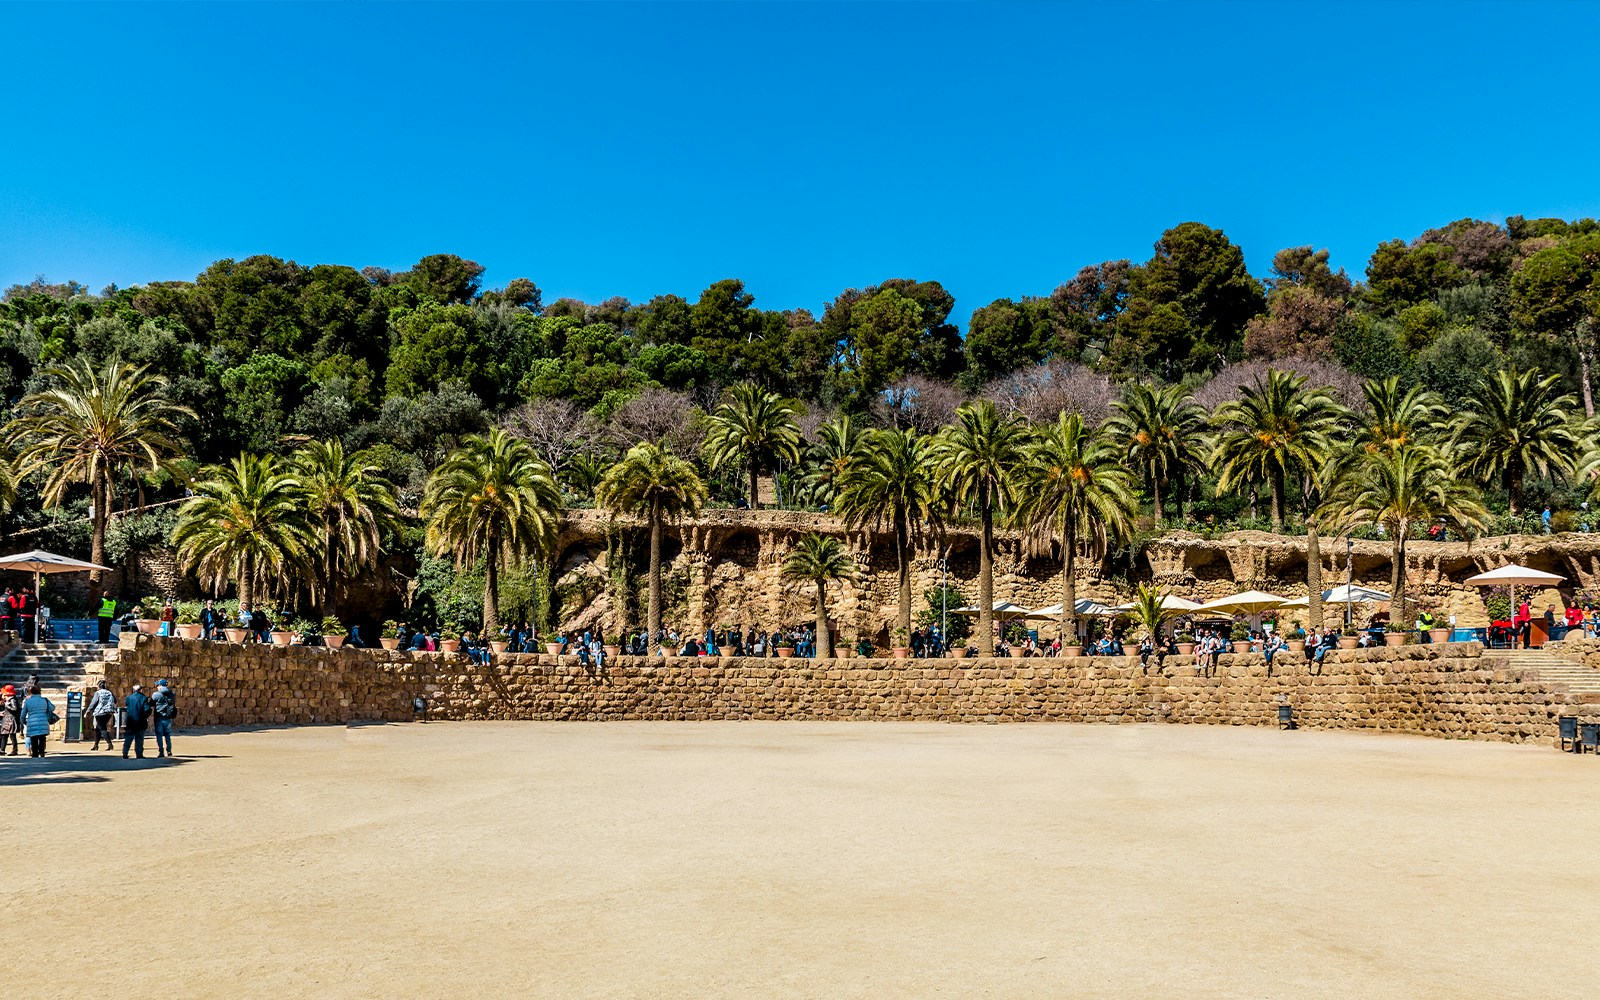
[[25, 711]]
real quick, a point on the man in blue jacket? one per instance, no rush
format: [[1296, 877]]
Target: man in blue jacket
[[136, 712]]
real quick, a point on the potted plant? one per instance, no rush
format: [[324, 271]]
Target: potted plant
[[785, 651], [1395, 634], [142, 620], [1349, 639], [1240, 634], [188, 619], [498, 646], [333, 632], [553, 648], [284, 637], [900, 650], [670, 646], [1072, 650], [449, 639], [613, 650], [1185, 643], [389, 638], [1016, 634]]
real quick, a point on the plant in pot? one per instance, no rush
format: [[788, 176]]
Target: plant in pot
[[299, 629], [1016, 634], [1349, 638], [1185, 643], [1395, 634], [144, 615], [333, 632], [900, 650], [1240, 634], [389, 638], [188, 619], [450, 638]]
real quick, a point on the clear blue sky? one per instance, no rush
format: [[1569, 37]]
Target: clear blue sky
[[641, 148]]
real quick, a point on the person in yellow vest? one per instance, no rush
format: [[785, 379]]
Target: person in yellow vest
[[108, 611]]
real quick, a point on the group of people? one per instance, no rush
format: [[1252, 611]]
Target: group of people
[[26, 711], [19, 612]]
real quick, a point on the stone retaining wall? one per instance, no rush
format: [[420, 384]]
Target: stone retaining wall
[[1445, 690]]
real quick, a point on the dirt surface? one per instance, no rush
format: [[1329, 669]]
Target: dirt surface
[[803, 860]]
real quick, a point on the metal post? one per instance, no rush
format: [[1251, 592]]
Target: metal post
[[944, 601], [1349, 560]]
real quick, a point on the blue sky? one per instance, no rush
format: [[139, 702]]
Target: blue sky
[[640, 148]]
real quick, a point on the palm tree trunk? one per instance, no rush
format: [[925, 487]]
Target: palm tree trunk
[[1583, 368], [1069, 584], [824, 636], [329, 605], [653, 619], [1514, 490], [1155, 492], [755, 482], [903, 567], [1397, 578], [491, 584], [1313, 573], [986, 577], [246, 582], [1277, 500], [100, 500]]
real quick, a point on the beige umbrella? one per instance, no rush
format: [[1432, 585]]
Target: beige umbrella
[[1168, 603], [1251, 602], [1085, 606], [38, 562], [1512, 575], [1002, 611]]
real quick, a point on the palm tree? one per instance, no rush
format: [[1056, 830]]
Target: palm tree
[[1395, 418], [1276, 426], [246, 522], [838, 444], [1161, 430], [349, 505], [754, 427], [1075, 486], [657, 485], [493, 498], [90, 424], [1516, 423], [1408, 487], [1149, 610], [891, 481], [975, 460], [819, 559]]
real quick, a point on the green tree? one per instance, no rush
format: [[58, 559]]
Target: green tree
[[348, 506], [754, 428], [1076, 486], [438, 344], [246, 522], [1405, 490], [1276, 427], [89, 425], [494, 498], [1189, 304], [1161, 431], [657, 485], [1397, 417], [820, 560], [1519, 422], [890, 481], [1556, 295], [260, 396], [1149, 609], [976, 460], [829, 457]]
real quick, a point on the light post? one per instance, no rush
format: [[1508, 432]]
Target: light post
[[1349, 560], [944, 600]]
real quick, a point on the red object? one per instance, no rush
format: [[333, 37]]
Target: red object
[[1574, 617]]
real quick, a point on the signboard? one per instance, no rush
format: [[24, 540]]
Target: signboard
[[74, 717]]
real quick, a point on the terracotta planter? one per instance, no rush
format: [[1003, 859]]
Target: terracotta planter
[[188, 631], [612, 651], [389, 643], [149, 626], [1185, 649], [1241, 646], [235, 634], [1016, 654], [958, 652], [1071, 651], [841, 654], [670, 651], [553, 648], [334, 641], [785, 652], [1395, 638], [1439, 634], [900, 652], [282, 638], [449, 645], [1349, 641], [497, 647]]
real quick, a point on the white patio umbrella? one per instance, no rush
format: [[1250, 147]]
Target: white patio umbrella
[[1342, 594], [39, 562], [1512, 575], [1002, 611], [1085, 606], [1168, 603], [1251, 602]]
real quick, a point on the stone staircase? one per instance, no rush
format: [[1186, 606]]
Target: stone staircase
[[1551, 667], [58, 665]]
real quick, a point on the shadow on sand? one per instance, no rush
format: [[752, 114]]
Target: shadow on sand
[[76, 767]]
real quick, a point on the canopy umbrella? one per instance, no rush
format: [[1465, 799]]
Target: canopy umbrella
[[1251, 602], [1002, 611], [1084, 606], [1168, 603], [39, 562], [1342, 594], [1511, 576]]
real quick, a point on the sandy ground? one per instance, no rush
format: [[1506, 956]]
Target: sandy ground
[[803, 860]]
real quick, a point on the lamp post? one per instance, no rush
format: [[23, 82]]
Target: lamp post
[[1349, 560], [944, 601]]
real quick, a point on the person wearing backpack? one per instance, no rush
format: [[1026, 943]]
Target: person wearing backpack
[[164, 704], [102, 709], [37, 715], [136, 717]]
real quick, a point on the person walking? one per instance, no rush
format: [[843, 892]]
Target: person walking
[[108, 614], [212, 621], [37, 713], [102, 709], [6, 620], [164, 705], [136, 718], [10, 718], [169, 618]]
